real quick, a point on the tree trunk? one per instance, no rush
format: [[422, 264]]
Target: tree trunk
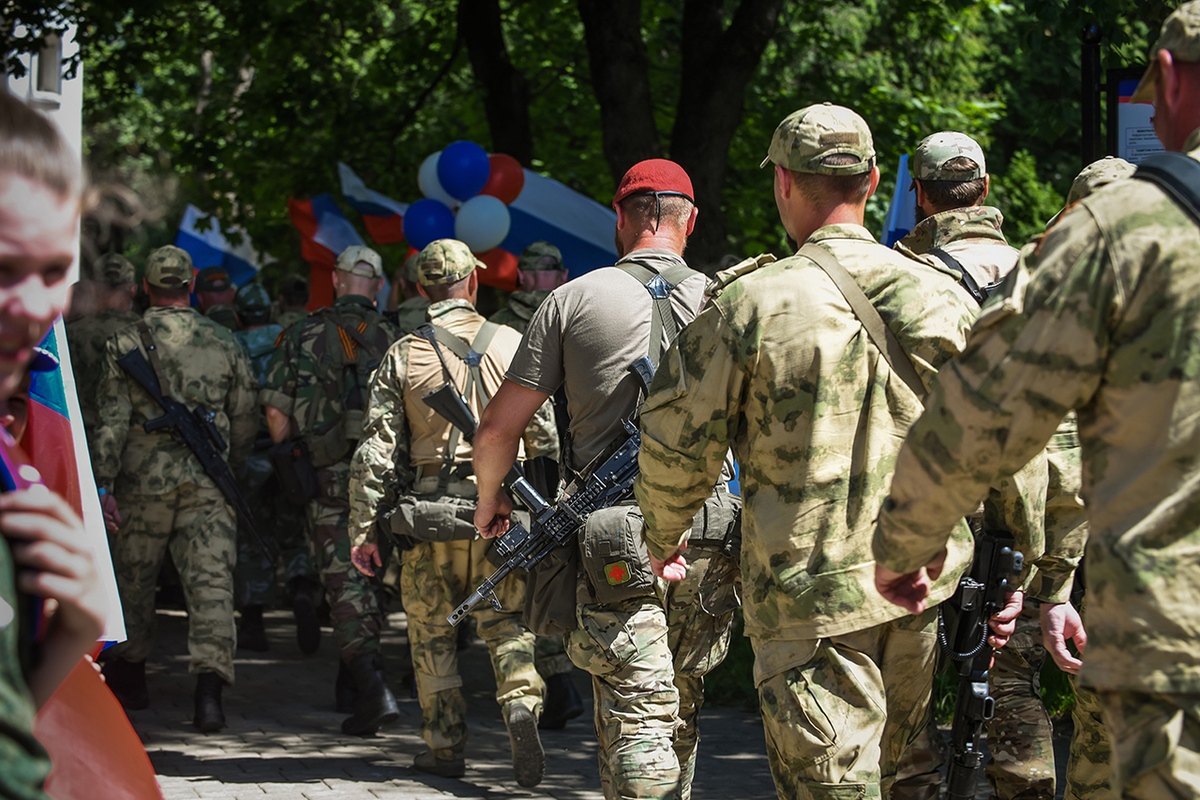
[[505, 88], [717, 66]]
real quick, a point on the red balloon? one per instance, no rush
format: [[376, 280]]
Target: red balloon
[[506, 180], [501, 269]]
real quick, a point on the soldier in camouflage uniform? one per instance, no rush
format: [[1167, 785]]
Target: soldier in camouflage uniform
[[292, 301], [647, 650], [432, 511], [162, 491], [406, 301], [110, 284], [280, 521], [778, 367], [214, 296], [1102, 319], [316, 390], [539, 271]]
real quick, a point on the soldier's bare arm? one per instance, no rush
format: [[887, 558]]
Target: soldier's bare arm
[[497, 442]]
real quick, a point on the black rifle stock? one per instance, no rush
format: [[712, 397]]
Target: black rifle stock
[[553, 525], [981, 593], [196, 429]]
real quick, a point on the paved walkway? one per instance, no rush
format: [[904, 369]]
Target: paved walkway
[[283, 737]]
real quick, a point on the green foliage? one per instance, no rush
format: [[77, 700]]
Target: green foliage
[[732, 682], [1026, 202]]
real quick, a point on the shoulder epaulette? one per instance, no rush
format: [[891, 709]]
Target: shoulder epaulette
[[728, 276]]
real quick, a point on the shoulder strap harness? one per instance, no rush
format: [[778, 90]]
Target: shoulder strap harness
[[1178, 175], [979, 293]]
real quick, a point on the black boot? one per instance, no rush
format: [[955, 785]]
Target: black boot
[[127, 681], [308, 630], [209, 718], [345, 691], [252, 635], [562, 703], [376, 706]]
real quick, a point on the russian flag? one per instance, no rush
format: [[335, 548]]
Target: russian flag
[[574, 223], [324, 234], [210, 248], [383, 216], [902, 213]]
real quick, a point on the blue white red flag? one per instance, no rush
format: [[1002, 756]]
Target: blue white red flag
[[383, 216], [210, 248]]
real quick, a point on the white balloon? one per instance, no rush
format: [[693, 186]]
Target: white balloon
[[482, 223], [428, 183]]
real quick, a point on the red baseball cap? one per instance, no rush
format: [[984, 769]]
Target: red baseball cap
[[654, 176]]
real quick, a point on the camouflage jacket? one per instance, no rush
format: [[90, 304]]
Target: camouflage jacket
[[310, 380], [224, 314], [259, 344], [971, 236], [411, 313], [1066, 521], [201, 364], [396, 415], [519, 310], [779, 367], [86, 338], [1101, 318], [287, 319]]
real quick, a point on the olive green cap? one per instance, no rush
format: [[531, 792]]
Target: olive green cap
[[409, 271], [1099, 173], [934, 151], [446, 261], [169, 267], [1181, 38], [810, 134], [360, 260], [113, 269], [539, 256]]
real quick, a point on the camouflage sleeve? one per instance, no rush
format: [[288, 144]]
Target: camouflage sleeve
[[384, 444], [279, 389], [687, 422], [114, 409], [241, 406], [1030, 358], [1017, 504], [541, 437], [1066, 526]]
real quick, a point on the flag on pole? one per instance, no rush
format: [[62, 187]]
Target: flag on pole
[[902, 213], [383, 216], [210, 248]]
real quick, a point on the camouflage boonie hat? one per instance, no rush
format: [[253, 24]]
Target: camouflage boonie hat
[[539, 256], [213, 279], [113, 269], [354, 256], [810, 134], [934, 151], [1099, 173], [252, 299], [1181, 38], [446, 261], [169, 267]]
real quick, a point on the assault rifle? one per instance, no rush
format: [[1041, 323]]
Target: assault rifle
[[553, 525], [981, 594], [196, 429]]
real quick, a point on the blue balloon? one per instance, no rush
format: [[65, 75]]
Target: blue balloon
[[463, 169], [427, 221]]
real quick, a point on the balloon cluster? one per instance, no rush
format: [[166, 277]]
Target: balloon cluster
[[479, 185]]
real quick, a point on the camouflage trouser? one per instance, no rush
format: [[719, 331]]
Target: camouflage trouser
[[648, 659], [552, 658], [434, 579], [353, 606], [198, 527], [1020, 735], [281, 523], [838, 723], [1089, 767], [1156, 744]]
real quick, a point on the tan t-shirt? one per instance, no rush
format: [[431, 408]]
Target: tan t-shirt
[[587, 334]]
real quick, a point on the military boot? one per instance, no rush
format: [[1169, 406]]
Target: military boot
[[308, 629], [209, 718], [528, 758], [442, 767], [376, 706], [127, 681], [562, 703], [252, 635], [345, 690]]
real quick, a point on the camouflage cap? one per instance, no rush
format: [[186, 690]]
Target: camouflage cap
[[1181, 38], [934, 151], [812, 133], [446, 261], [169, 267], [252, 298], [213, 279], [409, 271], [113, 269], [1099, 173], [539, 256], [354, 257]]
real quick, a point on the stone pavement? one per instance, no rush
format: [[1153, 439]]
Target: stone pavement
[[283, 737]]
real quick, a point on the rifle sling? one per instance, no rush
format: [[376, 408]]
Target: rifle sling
[[965, 278], [1178, 175], [881, 335], [152, 353]]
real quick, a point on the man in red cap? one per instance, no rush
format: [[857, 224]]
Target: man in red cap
[[647, 646]]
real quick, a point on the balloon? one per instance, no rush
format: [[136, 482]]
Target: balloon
[[482, 223], [501, 269], [462, 169], [427, 181], [506, 180], [427, 221]]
